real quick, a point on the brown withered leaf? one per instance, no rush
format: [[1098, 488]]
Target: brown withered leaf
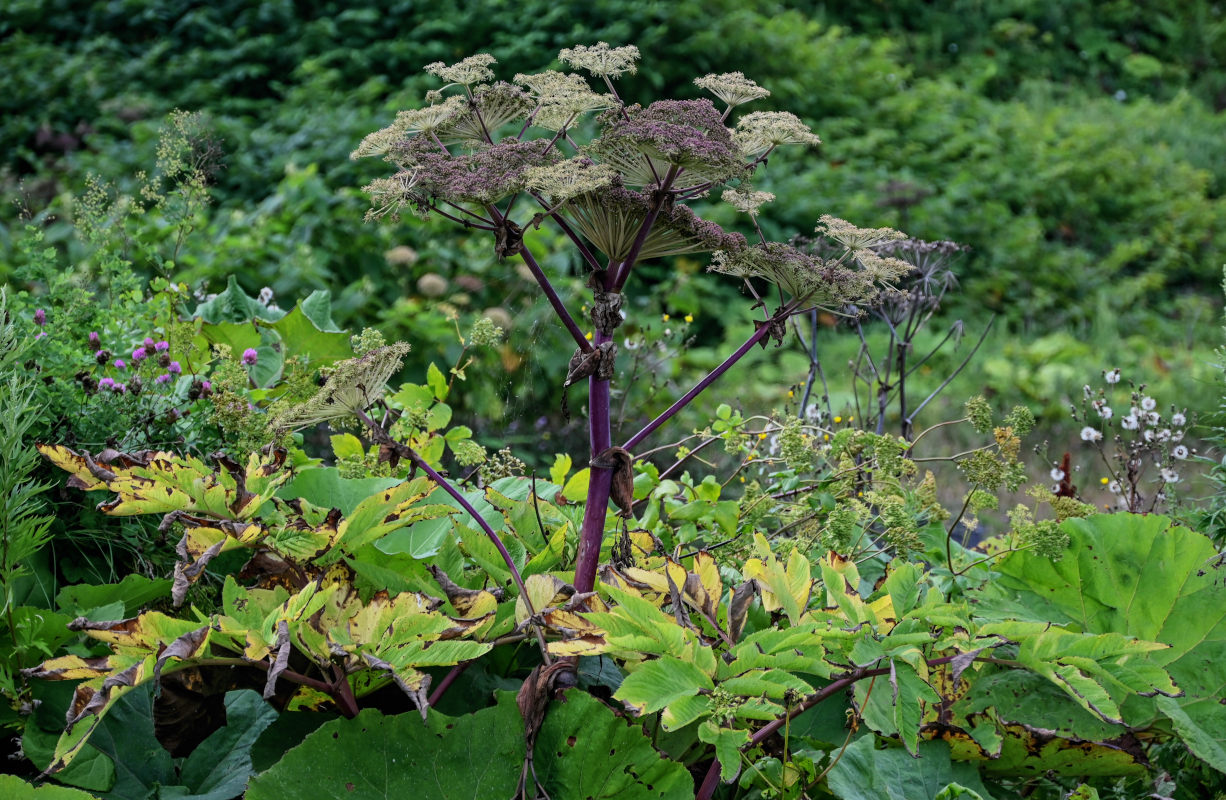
[[606, 311], [462, 600], [621, 461], [281, 662], [738, 608]]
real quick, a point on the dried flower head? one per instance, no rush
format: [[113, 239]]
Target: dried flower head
[[762, 130], [353, 386], [491, 107], [746, 200], [470, 71], [688, 134], [854, 238], [602, 60], [561, 97], [408, 123], [482, 177], [569, 178], [803, 276], [732, 87]]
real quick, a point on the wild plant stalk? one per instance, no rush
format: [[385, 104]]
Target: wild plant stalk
[[619, 200]]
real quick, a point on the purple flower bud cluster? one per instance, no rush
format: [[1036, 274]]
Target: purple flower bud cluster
[[250, 357]]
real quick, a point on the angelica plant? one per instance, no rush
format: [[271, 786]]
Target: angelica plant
[[499, 156]]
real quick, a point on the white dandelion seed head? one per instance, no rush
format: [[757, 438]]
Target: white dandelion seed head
[[1148, 435], [1153, 418], [1113, 487], [1164, 435], [1148, 403], [1057, 474], [1112, 376], [1105, 411], [1176, 435], [1178, 419], [1169, 475], [1130, 422], [1089, 434], [1180, 452]]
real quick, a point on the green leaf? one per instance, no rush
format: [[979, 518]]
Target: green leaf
[[309, 331], [219, 768], [659, 682], [865, 773], [436, 381], [234, 305], [1138, 576], [346, 445], [728, 743], [126, 736], [14, 788], [134, 591], [376, 757], [585, 751], [324, 487], [560, 469]]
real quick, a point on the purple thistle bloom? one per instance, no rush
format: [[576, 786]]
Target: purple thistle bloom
[[148, 341], [102, 356], [207, 386], [139, 354], [93, 338], [120, 388], [162, 346], [174, 368], [40, 317], [250, 356], [119, 364], [163, 378], [106, 383]]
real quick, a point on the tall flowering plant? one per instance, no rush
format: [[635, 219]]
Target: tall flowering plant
[[499, 156]]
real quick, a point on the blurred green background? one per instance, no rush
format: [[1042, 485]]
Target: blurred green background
[[1075, 147]]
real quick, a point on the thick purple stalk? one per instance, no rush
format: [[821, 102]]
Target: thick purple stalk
[[567, 320], [761, 333], [600, 437]]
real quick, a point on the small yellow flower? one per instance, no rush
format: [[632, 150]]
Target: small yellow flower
[[1103, 481], [762, 435], [826, 437], [689, 317], [665, 317], [838, 419], [742, 479], [588, 336], [791, 393], [851, 419]]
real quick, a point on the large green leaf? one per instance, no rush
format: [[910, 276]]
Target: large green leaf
[[14, 788], [235, 305], [219, 768], [326, 488], [134, 591], [376, 757], [1139, 576], [585, 751], [865, 773]]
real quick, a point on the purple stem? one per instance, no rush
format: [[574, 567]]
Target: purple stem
[[446, 682], [623, 271], [567, 320], [485, 526], [761, 333], [600, 436]]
